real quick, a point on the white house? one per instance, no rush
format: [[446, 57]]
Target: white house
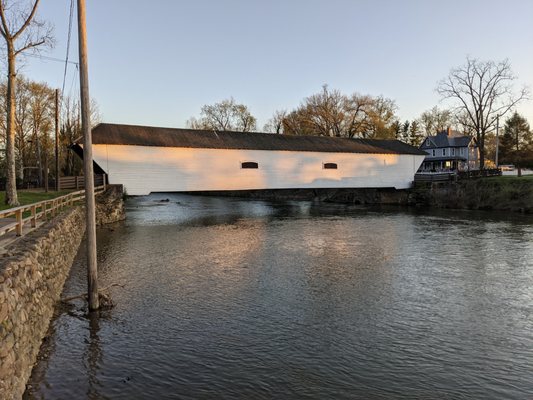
[[149, 159]]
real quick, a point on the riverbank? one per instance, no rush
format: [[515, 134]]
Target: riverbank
[[32, 274], [504, 193]]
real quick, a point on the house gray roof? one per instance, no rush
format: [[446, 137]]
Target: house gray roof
[[171, 137], [443, 140]]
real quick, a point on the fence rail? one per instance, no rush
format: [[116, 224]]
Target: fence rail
[[455, 175], [77, 182], [15, 217], [434, 177]]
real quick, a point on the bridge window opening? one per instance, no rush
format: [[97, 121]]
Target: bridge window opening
[[249, 165], [329, 165]]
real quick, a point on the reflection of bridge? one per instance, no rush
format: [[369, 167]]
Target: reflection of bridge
[[148, 159]]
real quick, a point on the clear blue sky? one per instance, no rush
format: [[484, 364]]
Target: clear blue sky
[[157, 62]]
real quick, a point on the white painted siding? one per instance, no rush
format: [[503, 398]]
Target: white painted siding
[[145, 169]]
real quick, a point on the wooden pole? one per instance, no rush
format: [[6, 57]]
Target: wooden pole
[[46, 169], [92, 273], [497, 139], [57, 140]]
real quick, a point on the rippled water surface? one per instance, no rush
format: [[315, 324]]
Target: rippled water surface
[[228, 298]]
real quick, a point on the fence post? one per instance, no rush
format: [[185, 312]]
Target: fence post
[[33, 216], [18, 214]]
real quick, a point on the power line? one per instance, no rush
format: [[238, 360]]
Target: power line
[[68, 45], [48, 58]]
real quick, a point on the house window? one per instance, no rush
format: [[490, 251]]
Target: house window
[[443, 152], [329, 165], [249, 165], [453, 151], [433, 152]]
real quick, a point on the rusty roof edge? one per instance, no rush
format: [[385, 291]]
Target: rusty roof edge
[[141, 135]]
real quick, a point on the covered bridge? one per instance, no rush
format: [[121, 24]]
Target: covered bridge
[[149, 159]]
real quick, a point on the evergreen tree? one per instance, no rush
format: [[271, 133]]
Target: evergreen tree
[[405, 131], [516, 145], [416, 137]]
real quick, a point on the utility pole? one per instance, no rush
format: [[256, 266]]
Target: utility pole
[[92, 272], [57, 139], [497, 138]]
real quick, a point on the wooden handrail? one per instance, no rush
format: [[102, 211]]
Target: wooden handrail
[[51, 206]]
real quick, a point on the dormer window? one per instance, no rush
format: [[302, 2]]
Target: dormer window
[[433, 152], [443, 152], [249, 165], [329, 165]]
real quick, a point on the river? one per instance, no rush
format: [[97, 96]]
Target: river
[[241, 299]]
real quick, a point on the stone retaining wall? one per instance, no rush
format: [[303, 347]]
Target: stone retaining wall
[[339, 195], [32, 274]]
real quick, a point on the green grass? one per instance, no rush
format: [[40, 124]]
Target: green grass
[[512, 179], [31, 196]]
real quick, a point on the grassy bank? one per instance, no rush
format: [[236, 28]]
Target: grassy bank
[[494, 193], [31, 196]]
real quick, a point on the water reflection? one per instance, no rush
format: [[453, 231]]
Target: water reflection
[[229, 298], [94, 357]]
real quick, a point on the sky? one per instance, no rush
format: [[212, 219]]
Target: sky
[[157, 62]]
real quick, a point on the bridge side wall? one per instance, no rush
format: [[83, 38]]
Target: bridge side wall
[[145, 169]]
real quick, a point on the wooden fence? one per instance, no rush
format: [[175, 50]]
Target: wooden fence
[[434, 177], [14, 219], [479, 173], [455, 175], [78, 182]]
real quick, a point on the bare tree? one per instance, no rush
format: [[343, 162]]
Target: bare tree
[[21, 32], [356, 118], [275, 124], [226, 115], [483, 91], [70, 131], [436, 120], [324, 111], [382, 118], [331, 113]]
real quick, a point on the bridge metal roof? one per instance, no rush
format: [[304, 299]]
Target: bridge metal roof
[[118, 134]]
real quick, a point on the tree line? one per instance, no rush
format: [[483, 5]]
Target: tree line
[[478, 93], [34, 132]]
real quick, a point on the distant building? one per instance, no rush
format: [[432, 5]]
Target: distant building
[[149, 159], [449, 151]]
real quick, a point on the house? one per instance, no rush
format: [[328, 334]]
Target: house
[[449, 151], [150, 159]]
